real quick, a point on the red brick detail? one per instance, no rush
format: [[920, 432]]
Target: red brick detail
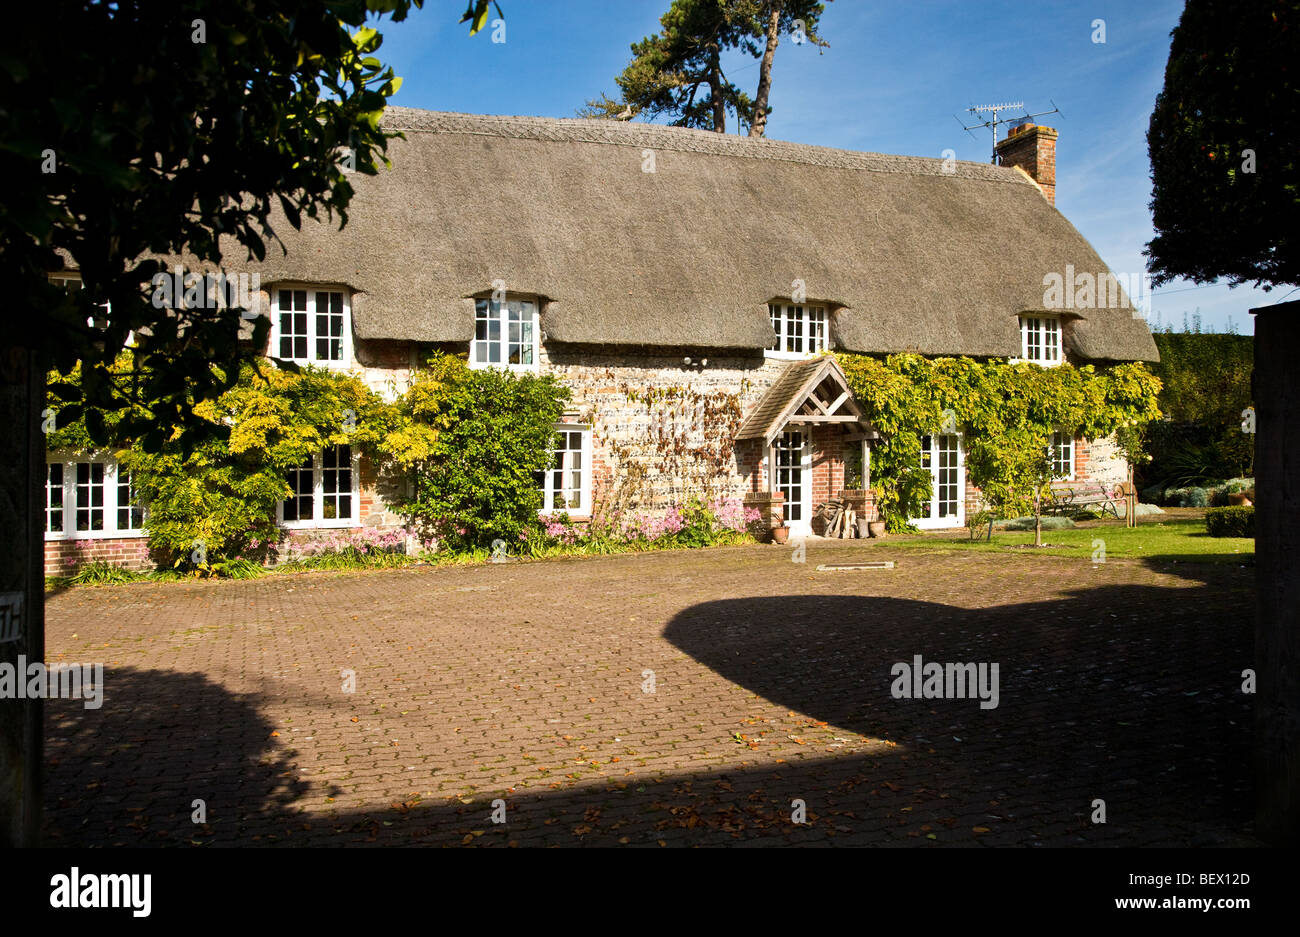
[[1033, 149], [64, 557]]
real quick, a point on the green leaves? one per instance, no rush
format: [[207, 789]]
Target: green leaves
[[1007, 414], [476, 13], [475, 441]]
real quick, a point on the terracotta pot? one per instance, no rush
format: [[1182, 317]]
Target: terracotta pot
[[877, 528], [1239, 499], [780, 534]]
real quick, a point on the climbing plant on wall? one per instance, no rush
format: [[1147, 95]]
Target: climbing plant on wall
[[688, 447], [1006, 412], [217, 500], [474, 442]]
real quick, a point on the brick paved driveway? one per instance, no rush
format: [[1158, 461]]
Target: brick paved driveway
[[771, 683]]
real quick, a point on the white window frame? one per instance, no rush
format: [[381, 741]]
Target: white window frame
[[499, 312], [69, 461], [783, 317], [584, 491], [1062, 440], [311, 312], [803, 526], [929, 521], [1038, 326], [318, 520]]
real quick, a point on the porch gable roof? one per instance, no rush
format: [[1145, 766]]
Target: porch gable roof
[[813, 391]]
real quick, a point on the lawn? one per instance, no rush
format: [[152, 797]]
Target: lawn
[[1175, 538]]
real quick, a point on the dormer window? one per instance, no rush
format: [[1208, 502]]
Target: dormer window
[[1040, 339], [800, 330], [312, 326], [505, 335]]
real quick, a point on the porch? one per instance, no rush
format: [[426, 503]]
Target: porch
[[809, 441]]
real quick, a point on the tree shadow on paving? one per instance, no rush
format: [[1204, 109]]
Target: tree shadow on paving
[[1128, 693], [128, 772]]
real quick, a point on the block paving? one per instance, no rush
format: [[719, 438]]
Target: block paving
[[675, 698]]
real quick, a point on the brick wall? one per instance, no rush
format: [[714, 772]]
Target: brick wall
[[63, 557], [827, 463], [1033, 149], [633, 398]]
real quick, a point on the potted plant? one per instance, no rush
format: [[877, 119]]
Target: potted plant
[[875, 528], [780, 534]]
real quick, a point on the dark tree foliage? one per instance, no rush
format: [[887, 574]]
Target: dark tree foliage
[[1205, 390], [1223, 140], [165, 127], [678, 71]]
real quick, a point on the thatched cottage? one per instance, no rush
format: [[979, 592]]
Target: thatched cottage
[[683, 284]]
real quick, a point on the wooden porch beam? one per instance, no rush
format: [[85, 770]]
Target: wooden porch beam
[[838, 400], [824, 418]]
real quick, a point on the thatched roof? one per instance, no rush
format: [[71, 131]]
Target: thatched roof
[[809, 391], [908, 256]]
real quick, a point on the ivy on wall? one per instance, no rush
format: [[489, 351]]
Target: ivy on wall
[[217, 500], [471, 441], [1006, 412]]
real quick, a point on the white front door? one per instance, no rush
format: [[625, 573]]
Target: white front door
[[941, 455], [791, 461]]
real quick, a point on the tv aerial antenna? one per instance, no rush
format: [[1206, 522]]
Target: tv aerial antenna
[[993, 122]]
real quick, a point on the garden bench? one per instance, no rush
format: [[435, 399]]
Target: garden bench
[[1067, 497]]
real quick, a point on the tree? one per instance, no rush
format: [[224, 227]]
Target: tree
[[671, 71], [1222, 140], [1226, 205], [136, 129], [768, 20]]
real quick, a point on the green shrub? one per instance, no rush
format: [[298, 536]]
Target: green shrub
[[476, 442], [1230, 522], [211, 506], [977, 522], [1195, 498], [101, 573]]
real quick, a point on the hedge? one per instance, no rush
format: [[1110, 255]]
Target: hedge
[[1230, 521]]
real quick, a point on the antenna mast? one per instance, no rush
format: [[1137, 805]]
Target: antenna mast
[[994, 122]]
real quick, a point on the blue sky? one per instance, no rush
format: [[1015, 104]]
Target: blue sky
[[891, 82]]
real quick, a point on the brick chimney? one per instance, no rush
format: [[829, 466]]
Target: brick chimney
[[1033, 149]]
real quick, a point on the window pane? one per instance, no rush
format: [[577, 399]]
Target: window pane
[[54, 498], [130, 516], [298, 507], [90, 495], [329, 326], [336, 482]]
